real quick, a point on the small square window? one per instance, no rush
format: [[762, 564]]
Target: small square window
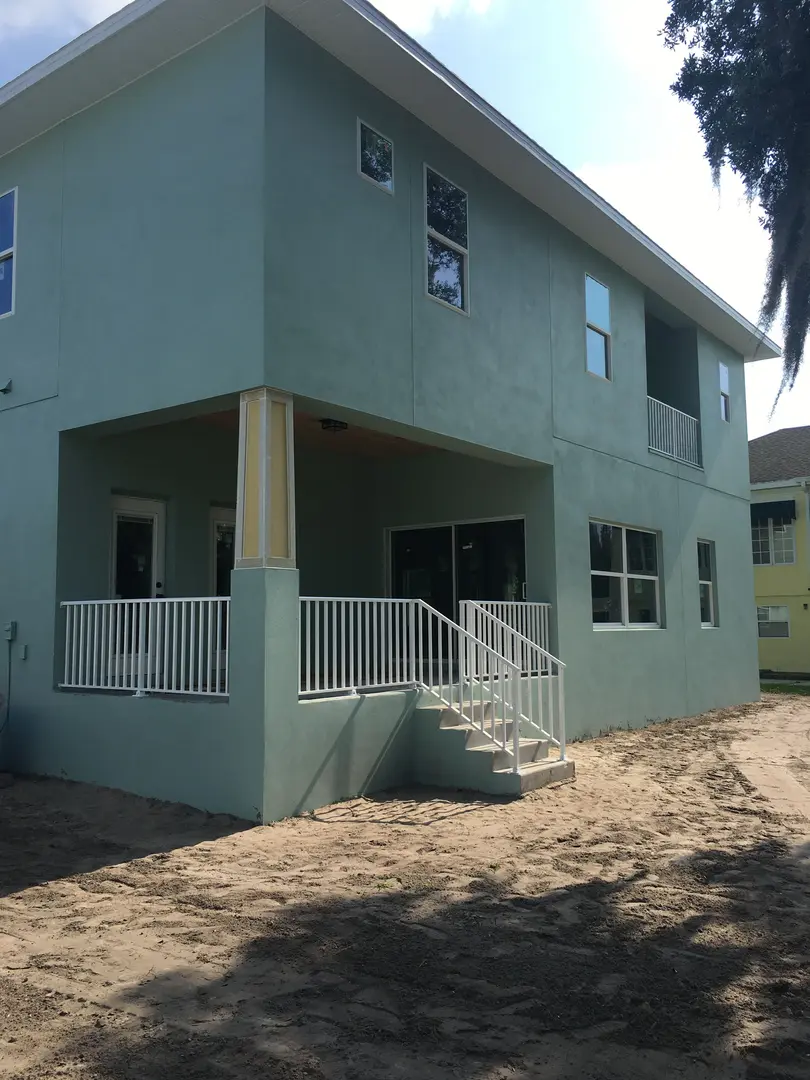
[[773, 621], [376, 157]]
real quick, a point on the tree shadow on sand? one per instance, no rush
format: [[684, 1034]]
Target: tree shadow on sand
[[699, 970]]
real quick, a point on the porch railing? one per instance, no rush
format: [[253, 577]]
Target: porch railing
[[543, 701], [155, 646], [528, 620], [352, 645], [674, 433]]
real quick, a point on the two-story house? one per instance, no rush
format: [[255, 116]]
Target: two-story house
[[346, 438], [780, 539]]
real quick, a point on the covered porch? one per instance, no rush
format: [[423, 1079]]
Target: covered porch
[[417, 566]]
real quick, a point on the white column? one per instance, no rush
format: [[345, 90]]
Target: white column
[[265, 504]]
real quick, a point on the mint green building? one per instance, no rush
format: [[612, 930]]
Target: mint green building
[[347, 440]]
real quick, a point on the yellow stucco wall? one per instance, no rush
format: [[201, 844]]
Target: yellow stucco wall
[[788, 586]]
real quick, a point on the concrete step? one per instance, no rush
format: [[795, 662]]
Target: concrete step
[[541, 773], [531, 750]]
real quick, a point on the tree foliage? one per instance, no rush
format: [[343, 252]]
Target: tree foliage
[[747, 76]]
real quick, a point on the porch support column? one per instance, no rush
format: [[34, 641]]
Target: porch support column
[[265, 501]]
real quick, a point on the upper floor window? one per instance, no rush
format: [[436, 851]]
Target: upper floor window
[[624, 576], [8, 219], [725, 394], [376, 157], [773, 536], [447, 241], [706, 571], [597, 327]]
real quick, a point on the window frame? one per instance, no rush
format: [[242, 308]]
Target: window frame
[[725, 395], [771, 545], [711, 582], [431, 233], [606, 334], [771, 622], [361, 123], [11, 253], [625, 578]]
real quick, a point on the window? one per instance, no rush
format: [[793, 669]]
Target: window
[[773, 621], [597, 327], [8, 214], [706, 565], [773, 543], [375, 157], [725, 394], [624, 576], [447, 239]]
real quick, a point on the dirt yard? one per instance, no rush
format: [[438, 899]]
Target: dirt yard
[[651, 920]]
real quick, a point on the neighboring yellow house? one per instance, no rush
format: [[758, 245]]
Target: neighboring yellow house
[[780, 536]]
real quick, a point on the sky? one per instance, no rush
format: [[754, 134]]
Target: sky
[[587, 79]]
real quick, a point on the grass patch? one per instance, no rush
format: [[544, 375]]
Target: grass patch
[[785, 688]]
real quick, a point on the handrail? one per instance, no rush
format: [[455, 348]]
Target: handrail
[[545, 709]]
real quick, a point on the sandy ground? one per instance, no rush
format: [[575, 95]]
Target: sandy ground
[[651, 920]]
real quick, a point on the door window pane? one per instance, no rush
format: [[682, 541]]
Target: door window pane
[[445, 273], [225, 536], [642, 554], [491, 560], [606, 548], [133, 558], [606, 599]]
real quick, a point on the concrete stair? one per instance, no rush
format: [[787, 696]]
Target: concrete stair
[[450, 751]]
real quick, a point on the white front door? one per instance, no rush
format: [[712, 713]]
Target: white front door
[[137, 566]]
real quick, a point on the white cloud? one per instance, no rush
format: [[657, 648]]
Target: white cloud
[[419, 16], [72, 16]]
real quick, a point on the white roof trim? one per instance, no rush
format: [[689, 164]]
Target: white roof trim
[[148, 33]]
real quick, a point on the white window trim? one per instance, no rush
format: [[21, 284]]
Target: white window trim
[[627, 577], [149, 510], [713, 624], [465, 252], [770, 562], [361, 123], [12, 251], [769, 608], [606, 334]]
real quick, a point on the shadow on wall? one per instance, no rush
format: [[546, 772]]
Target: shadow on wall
[[51, 829], [578, 983]]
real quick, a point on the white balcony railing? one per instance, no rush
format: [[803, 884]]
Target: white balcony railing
[[148, 646], [673, 433]]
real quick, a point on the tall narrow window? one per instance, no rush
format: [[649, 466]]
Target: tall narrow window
[[706, 571], [375, 157], [597, 327], [8, 207], [447, 240], [725, 394], [624, 576]]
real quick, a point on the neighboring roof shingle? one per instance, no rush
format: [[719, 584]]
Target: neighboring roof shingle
[[782, 455]]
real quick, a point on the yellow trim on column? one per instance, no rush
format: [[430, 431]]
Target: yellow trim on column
[[279, 479], [251, 510]]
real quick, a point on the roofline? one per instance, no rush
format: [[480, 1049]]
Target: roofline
[[761, 346], [764, 485]]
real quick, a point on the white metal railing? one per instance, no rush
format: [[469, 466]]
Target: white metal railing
[[674, 433], [148, 646], [529, 620], [351, 645], [543, 702]]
